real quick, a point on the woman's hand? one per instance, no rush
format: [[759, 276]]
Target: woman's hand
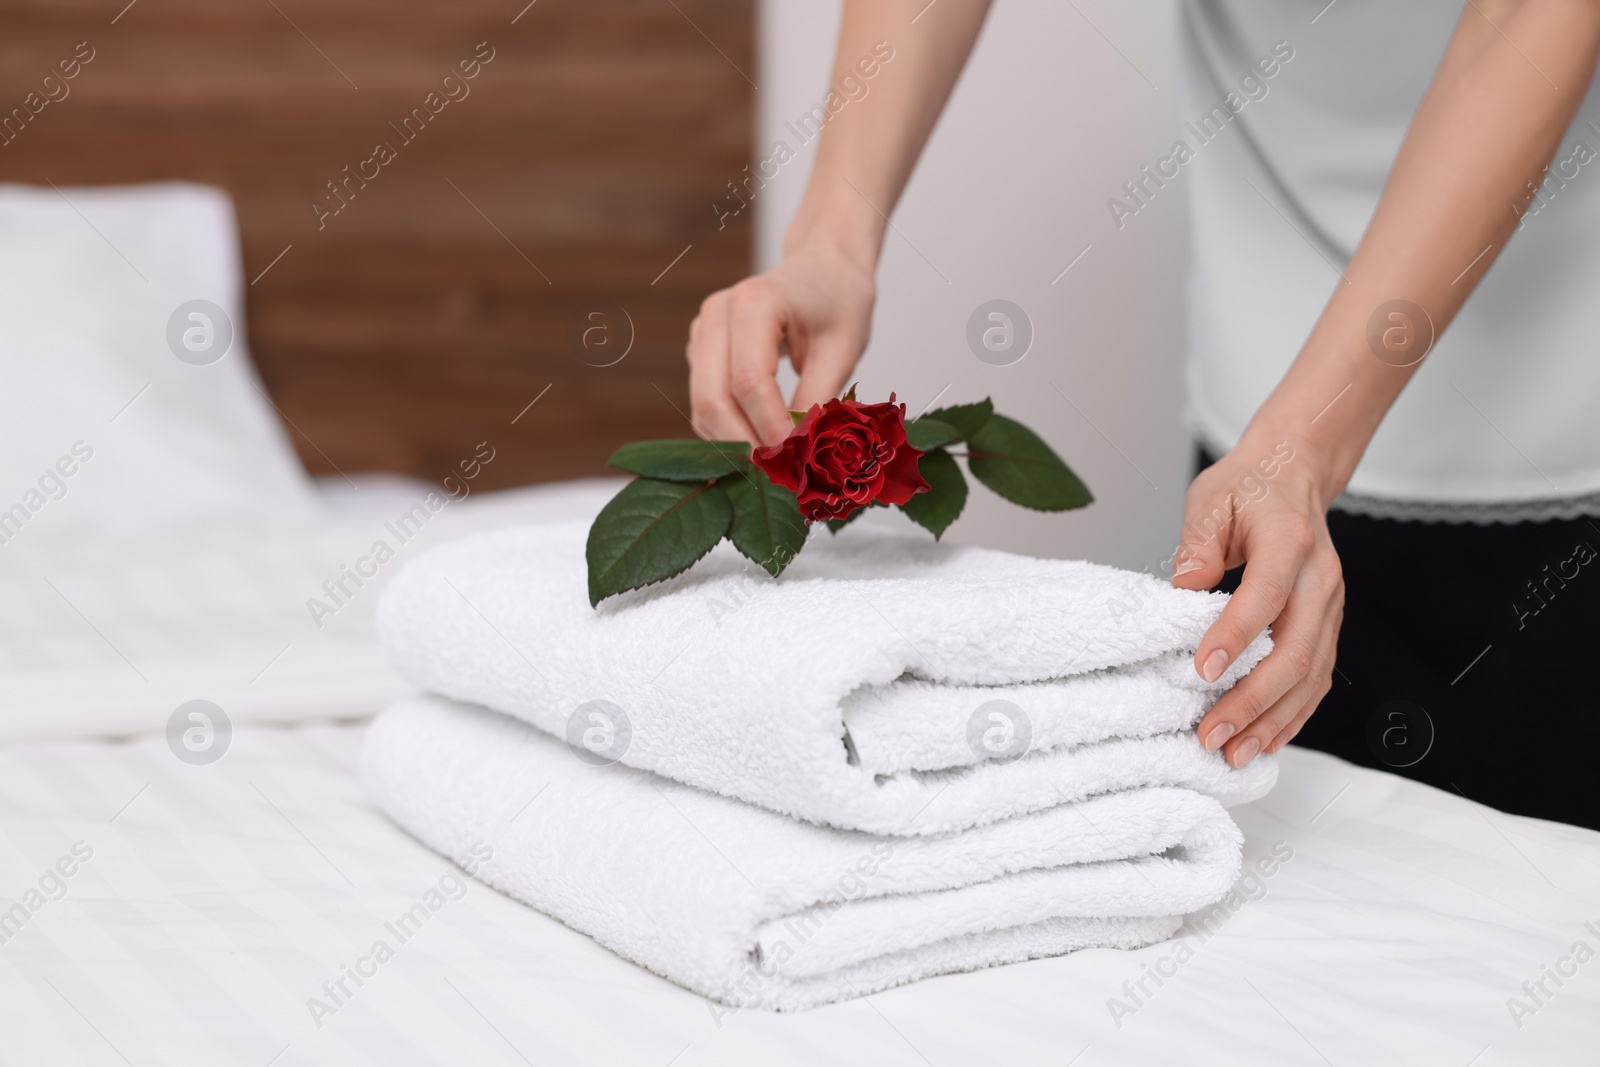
[[815, 306], [897, 69], [1264, 506]]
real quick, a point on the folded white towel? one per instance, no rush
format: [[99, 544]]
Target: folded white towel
[[858, 690], [753, 909]]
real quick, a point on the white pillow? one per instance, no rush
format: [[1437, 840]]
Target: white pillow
[[103, 427], [107, 635]]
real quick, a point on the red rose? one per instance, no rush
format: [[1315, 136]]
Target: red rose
[[843, 456]]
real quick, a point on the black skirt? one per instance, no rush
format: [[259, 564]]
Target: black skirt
[[1467, 660]]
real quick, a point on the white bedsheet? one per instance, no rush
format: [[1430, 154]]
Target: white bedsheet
[[219, 898]]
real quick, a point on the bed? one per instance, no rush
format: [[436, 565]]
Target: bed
[[210, 904], [168, 900]]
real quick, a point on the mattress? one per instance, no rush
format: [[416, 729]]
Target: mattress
[[258, 910]]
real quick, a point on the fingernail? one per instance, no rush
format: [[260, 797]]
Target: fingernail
[[1246, 751], [1219, 736], [1186, 567], [1214, 665]]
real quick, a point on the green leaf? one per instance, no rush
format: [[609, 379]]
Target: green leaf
[[797, 417], [926, 434], [767, 525], [968, 419], [652, 530], [1013, 461], [947, 494], [685, 459]]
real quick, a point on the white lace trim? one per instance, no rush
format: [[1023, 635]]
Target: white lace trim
[[1480, 512]]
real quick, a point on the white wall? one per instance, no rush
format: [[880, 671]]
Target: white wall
[[1048, 121]]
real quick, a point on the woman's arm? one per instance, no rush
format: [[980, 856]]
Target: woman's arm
[[1510, 82], [817, 304]]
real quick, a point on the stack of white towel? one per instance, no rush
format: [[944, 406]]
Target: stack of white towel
[[901, 759]]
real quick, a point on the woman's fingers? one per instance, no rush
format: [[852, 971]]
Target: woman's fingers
[[756, 330], [1313, 696], [824, 370], [713, 411], [1202, 555], [1233, 717], [1329, 646], [1272, 730], [1295, 705], [815, 306], [1275, 549], [1286, 686]]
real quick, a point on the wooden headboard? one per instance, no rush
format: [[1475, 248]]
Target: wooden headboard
[[443, 205]]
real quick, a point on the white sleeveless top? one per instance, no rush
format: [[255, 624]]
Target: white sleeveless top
[[1502, 420]]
